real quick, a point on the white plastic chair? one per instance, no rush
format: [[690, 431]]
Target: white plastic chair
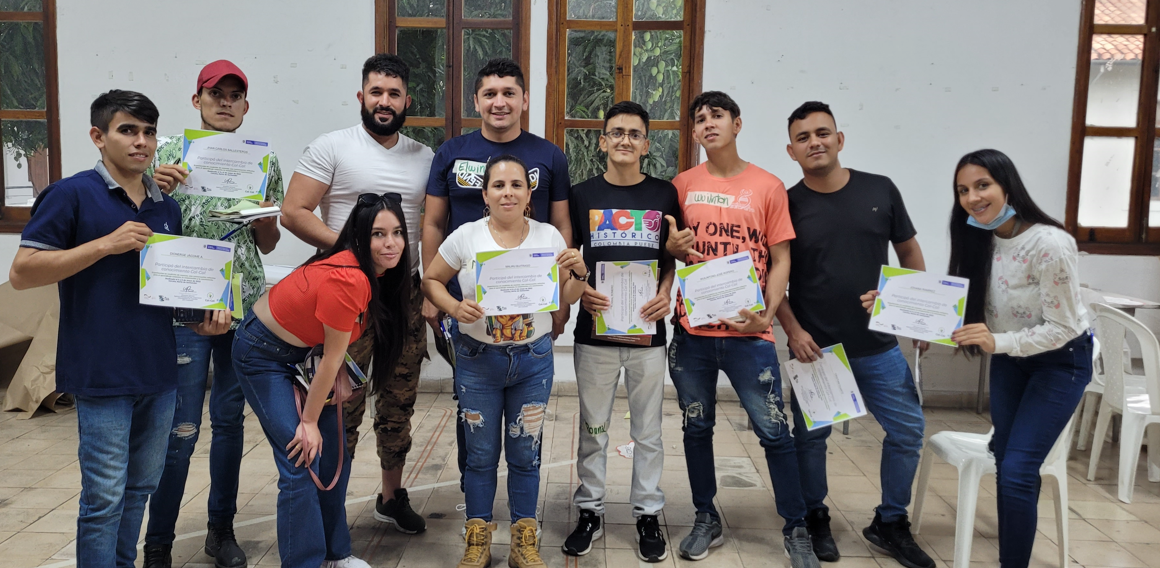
[[1086, 411], [969, 453], [1137, 401]]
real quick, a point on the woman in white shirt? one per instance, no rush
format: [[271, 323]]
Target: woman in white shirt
[[1024, 307], [503, 371]]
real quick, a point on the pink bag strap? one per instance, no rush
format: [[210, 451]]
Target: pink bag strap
[[339, 397]]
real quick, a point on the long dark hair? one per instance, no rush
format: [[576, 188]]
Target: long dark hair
[[972, 247], [390, 293]]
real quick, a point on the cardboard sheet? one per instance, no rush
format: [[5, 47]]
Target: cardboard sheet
[[29, 323]]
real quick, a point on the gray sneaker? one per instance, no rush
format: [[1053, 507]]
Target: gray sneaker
[[800, 550], [706, 534]]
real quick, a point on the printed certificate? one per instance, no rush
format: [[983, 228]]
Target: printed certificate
[[826, 389], [187, 272], [919, 305], [517, 281], [629, 286], [720, 288], [225, 164]]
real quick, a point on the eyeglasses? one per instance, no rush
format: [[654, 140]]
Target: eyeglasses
[[368, 199], [635, 135]]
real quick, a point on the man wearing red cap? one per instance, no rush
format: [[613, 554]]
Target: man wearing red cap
[[221, 99]]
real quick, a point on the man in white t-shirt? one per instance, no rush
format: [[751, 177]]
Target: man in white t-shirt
[[372, 157]]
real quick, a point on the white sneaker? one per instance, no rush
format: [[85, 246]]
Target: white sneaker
[[348, 562]]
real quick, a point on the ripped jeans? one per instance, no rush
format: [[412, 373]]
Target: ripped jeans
[[752, 367], [227, 406], [503, 397]]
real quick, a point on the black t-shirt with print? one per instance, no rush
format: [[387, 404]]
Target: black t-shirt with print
[[620, 223], [841, 245]]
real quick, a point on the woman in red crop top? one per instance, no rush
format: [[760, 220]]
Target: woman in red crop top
[[361, 282]]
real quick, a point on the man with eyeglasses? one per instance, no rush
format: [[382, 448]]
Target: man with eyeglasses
[[619, 216], [373, 157], [221, 100]]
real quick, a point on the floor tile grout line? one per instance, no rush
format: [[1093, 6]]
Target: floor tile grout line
[[268, 518]]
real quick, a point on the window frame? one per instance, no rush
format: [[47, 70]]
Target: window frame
[[13, 219], [692, 65], [1137, 238], [453, 122]]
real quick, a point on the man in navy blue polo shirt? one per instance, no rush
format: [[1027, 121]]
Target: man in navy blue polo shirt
[[115, 356]]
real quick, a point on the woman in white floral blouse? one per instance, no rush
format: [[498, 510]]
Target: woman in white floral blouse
[[1024, 307]]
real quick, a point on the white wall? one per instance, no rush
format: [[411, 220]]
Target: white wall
[[303, 63], [914, 84]]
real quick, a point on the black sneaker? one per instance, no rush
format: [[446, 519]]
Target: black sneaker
[[398, 512], [895, 539], [158, 556], [818, 523], [588, 529], [650, 540], [221, 544]]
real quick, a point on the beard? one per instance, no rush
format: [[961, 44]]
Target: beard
[[379, 128]]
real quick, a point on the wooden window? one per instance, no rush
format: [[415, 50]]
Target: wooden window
[[1113, 192], [446, 42], [604, 51], [29, 120]]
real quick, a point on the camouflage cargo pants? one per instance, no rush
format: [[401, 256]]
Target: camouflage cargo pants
[[395, 402]]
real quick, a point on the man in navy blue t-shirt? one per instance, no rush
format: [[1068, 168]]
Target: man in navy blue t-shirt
[[455, 190], [115, 356]]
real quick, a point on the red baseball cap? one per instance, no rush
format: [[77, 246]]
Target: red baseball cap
[[213, 73]]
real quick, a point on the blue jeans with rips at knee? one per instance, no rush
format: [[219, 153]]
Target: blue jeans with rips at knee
[[503, 396], [227, 406], [752, 367]]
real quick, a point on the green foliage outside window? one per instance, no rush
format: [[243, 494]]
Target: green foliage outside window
[[22, 82], [431, 136], [421, 9], [656, 73], [659, 10], [591, 63]]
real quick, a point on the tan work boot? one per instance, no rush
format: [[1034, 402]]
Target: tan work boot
[[525, 550], [478, 552]]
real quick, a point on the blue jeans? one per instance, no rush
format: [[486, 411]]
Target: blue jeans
[[751, 365], [887, 387], [311, 523], [227, 407], [1032, 398], [503, 389], [122, 452]]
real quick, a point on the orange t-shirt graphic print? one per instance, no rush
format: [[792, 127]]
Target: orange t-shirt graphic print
[[746, 212]]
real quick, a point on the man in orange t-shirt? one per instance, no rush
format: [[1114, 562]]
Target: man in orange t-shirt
[[732, 206]]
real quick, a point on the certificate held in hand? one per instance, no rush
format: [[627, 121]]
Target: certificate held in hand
[[919, 305], [826, 389], [225, 164], [187, 272], [629, 286], [720, 288], [517, 281]]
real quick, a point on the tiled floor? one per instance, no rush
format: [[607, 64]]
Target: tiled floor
[[40, 483]]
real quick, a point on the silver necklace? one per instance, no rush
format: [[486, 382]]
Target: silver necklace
[[495, 233]]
